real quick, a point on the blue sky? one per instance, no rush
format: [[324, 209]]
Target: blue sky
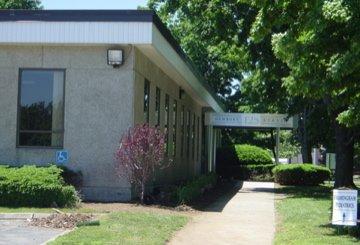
[[92, 4]]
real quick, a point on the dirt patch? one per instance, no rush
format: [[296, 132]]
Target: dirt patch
[[61, 221], [131, 207], [221, 189]]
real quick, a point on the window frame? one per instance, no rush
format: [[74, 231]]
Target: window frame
[[174, 125], [146, 103], [18, 116], [167, 122], [158, 106]]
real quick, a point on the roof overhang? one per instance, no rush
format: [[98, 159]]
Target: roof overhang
[[108, 27]]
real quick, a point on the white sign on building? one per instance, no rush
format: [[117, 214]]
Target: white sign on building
[[344, 207], [249, 120]]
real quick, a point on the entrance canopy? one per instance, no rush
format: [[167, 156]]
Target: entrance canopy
[[254, 121], [250, 120]]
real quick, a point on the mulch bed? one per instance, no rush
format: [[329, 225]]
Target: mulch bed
[[61, 220]]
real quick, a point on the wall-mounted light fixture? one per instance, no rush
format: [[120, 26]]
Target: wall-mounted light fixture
[[115, 57]]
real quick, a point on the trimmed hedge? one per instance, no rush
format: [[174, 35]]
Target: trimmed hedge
[[252, 155], [35, 187], [301, 174], [195, 188]]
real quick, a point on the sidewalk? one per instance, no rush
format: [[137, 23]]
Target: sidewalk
[[15, 230], [248, 217]]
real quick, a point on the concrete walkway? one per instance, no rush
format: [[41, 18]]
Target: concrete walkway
[[18, 232], [246, 216]]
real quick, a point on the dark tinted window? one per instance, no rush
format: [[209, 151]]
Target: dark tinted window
[[41, 112], [157, 106], [146, 100]]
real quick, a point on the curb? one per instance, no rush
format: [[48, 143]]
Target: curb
[[54, 238], [22, 216]]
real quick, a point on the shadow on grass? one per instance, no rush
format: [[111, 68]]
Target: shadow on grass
[[320, 193], [343, 231], [316, 192]]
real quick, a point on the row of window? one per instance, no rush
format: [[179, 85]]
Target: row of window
[[189, 124]]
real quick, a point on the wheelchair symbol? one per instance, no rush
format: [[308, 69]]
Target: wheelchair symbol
[[62, 157]]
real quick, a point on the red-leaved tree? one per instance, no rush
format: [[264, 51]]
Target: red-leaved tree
[[141, 151]]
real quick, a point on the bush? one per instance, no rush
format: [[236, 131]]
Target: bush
[[195, 188], [300, 174], [249, 172], [226, 156], [252, 155], [36, 187]]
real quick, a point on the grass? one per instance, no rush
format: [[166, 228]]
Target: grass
[[304, 218], [127, 228]]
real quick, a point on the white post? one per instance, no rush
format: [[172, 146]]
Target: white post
[[277, 145], [215, 133]]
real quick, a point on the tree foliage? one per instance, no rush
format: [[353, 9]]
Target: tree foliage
[[141, 152], [20, 4], [215, 35], [320, 43]]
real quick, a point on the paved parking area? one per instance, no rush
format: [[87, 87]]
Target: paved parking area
[[18, 232]]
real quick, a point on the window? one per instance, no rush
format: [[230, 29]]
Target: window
[[182, 121], [174, 122], [193, 137], [188, 120], [146, 100], [167, 115], [198, 139], [157, 106], [41, 108]]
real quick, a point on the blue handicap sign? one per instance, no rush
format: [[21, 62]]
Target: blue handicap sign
[[62, 157]]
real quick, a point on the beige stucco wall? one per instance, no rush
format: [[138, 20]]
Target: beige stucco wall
[[98, 108], [182, 168]]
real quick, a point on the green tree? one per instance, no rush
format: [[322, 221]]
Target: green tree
[[20, 4], [216, 36], [319, 41]]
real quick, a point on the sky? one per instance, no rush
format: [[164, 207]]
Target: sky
[[92, 4]]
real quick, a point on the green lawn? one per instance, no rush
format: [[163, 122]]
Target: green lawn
[[127, 228], [304, 217]]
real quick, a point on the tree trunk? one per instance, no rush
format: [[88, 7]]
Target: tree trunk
[[142, 194], [344, 148], [305, 144]]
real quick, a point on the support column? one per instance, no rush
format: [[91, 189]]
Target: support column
[[215, 137], [277, 145]]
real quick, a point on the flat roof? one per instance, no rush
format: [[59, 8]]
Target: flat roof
[[108, 16]]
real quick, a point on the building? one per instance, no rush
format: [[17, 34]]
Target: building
[[76, 80]]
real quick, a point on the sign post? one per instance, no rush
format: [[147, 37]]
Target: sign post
[[344, 207]]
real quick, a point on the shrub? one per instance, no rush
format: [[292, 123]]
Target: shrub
[[195, 188], [300, 174], [226, 156], [252, 155], [142, 150], [36, 187]]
